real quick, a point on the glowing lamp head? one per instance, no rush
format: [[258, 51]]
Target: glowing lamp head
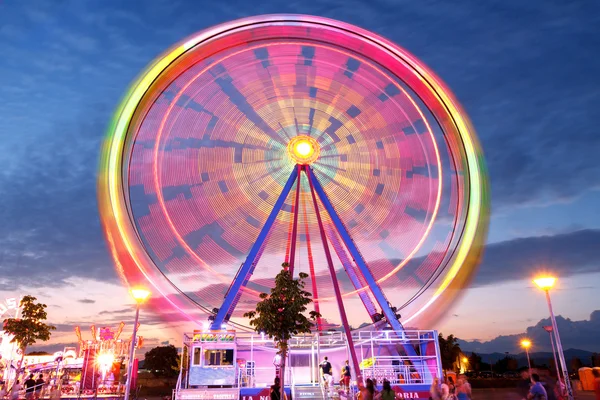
[[545, 282], [139, 295], [465, 360], [303, 149], [526, 343], [105, 359]]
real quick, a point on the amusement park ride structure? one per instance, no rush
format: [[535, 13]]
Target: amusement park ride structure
[[260, 134]]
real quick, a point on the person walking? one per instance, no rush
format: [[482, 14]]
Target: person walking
[[326, 373], [537, 391]]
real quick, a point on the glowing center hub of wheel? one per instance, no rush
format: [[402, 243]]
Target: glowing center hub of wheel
[[303, 149]]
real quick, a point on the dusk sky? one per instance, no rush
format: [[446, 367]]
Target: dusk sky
[[526, 72]]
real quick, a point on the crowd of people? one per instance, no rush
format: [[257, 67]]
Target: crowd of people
[[531, 387], [450, 390], [31, 389]]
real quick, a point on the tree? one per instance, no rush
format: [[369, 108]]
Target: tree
[[506, 364], [449, 351], [162, 361], [30, 328], [595, 360], [576, 364], [280, 315], [475, 362]]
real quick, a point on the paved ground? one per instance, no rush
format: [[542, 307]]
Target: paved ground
[[478, 394], [507, 394]]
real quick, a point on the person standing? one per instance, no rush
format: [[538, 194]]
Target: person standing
[[39, 386], [275, 393], [387, 393], [463, 389], [326, 373], [537, 391], [346, 376], [439, 391], [29, 388]]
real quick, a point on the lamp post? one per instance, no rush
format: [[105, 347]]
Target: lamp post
[[139, 295], [550, 330], [546, 283], [526, 344], [465, 362]]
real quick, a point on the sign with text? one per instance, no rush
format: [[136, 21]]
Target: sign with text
[[213, 337]]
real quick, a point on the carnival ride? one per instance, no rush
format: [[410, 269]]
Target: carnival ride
[[91, 371], [247, 141]]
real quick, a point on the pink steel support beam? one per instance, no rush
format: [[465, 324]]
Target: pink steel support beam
[[295, 224], [311, 265], [336, 286]]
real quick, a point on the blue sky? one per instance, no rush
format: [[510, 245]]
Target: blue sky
[[526, 72]]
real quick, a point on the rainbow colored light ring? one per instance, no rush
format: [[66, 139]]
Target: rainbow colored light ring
[[134, 264]]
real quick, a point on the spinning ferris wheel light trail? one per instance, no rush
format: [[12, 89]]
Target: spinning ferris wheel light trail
[[290, 137]]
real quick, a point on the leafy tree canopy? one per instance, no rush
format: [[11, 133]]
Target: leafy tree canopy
[[449, 351], [162, 361], [281, 314], [30, 327]]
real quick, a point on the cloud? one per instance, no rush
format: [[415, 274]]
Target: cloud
[[527, 78], [86, 301], [581, 335], [564, 254]]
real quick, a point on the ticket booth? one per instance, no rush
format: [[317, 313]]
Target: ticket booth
[[212, 360]]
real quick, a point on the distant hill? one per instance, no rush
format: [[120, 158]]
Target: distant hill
[[539, 358], [574, 334]]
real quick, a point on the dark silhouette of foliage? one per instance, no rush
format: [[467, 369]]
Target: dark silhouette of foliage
[[281, 314], [449, 351], [475, 362], [162, 361], [576, 363]]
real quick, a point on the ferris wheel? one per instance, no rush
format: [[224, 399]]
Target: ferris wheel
[[290, 138]]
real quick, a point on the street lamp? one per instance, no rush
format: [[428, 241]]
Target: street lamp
[[139, 295], [546, 283], [465, 362], [526, 344]]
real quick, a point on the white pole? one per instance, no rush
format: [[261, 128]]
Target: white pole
[[554, 355], [131, 353], [528, 361], [559, 349]]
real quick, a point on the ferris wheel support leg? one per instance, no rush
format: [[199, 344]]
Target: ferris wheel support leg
[[360, 262], [352, 274], [311, 265], [336, 286], [245, 271], [295, 224]]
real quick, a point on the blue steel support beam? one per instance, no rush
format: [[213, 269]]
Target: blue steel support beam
[[247, 267], [358, 259]]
